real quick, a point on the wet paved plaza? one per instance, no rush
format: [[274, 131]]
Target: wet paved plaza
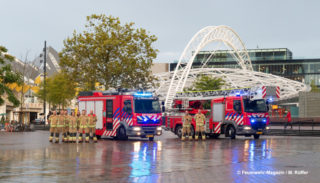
[[29, 157]]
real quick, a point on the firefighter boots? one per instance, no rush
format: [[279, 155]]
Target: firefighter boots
[[203, 137], [65, 139], [57, 138], [70, 138], [87, 138], [51, 137], [190, 137], [95, 140], [182, 138], [80, 138]]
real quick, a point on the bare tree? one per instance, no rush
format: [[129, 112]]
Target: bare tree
[[25, 69]]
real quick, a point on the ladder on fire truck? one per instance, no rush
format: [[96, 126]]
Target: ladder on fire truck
[[262, 92], [210, 94]]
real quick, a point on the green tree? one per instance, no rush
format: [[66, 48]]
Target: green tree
[[7, 77], [110, 53], [206, 82], [60, 90], [314, 87]]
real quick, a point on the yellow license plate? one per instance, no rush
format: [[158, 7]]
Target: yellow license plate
[[259, 133], [149, 135]]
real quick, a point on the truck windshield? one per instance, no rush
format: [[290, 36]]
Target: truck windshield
[[146, 106], [254, 105]]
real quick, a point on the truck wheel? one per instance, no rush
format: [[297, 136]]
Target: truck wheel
[[122, 133], [231, 132], [256, 136], [151, 138], [179, 131]]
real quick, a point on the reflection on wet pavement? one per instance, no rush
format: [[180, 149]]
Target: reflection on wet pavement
[[166, 159]]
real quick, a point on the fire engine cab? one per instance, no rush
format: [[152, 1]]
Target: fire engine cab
[[229, 112], [122, 114]]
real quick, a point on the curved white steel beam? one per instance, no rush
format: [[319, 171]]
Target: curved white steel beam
[[239, 78]]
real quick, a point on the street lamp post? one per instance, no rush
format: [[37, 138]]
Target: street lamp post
[[44, 80]]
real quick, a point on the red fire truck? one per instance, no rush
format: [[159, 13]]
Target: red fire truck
[[123, 114], [229, 112]]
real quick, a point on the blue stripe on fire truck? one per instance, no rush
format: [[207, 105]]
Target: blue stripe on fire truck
[[116, 113], [226, 117]]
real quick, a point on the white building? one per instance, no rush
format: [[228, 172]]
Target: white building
[[31, 108]]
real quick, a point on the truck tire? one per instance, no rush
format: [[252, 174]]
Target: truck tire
[[179, 131], [256, 136], [122, 133], [231, 132], [151, 138]]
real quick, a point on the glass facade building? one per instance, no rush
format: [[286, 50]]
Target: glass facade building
[[274, 61]]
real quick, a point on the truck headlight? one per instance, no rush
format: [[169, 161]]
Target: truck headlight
[[159, 128], [247, 128], [136, 128]]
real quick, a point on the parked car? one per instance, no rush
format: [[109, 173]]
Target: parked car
[[38, 122]]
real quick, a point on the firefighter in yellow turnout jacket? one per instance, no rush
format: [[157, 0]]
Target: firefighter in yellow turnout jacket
[[78, 123], [200, 119], [53, 125], [83, 126], [186, 126], [60, 125], [92, 126], [66, 126], [73, 124]]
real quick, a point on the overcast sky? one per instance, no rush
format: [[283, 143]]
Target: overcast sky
[[292, 24]]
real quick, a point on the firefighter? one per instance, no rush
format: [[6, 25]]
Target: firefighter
[[92, 126], [73, 121], [78, 125], [60, 125], [186, 128], [66, 126], [200, 119], [83, 130], [53, 125]]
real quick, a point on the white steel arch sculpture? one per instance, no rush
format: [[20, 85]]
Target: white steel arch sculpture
[[202, 38], [184, 75]]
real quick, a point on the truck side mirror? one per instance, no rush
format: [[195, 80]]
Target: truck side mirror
[[163, 109]]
